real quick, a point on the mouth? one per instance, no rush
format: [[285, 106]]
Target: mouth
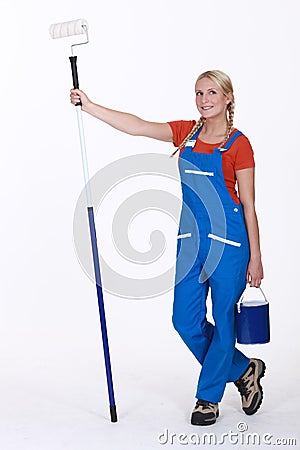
[[206, 108]]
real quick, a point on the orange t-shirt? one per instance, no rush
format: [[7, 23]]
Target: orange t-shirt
[[239, 156]]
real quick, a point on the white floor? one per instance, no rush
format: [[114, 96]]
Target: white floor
[[62, 414], [54, 396]]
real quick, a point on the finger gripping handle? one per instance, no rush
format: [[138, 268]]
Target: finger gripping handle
[[73, 61]]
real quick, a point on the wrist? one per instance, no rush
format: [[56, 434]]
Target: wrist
[[255, 256], [87, 107]]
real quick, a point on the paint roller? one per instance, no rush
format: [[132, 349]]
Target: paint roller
[[62, 30], [66, 29]]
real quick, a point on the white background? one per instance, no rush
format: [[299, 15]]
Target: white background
[[143, 57]]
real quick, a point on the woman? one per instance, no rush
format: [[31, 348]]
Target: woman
[[218, 243]]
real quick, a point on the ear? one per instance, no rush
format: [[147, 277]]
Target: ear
[[228, 98]]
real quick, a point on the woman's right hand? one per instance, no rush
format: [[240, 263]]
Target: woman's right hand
[[79, 96]]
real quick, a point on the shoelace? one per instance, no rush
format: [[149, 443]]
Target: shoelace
[[205, 404], [242, 386]]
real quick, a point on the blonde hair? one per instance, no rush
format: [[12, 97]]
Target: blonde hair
[[224, 82]]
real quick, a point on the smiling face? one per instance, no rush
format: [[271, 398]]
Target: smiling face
[[210, 99]]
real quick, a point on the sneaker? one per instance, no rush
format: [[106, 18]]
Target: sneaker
[[249, 386], [205, 413]]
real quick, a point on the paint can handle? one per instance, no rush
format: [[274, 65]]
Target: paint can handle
[[242, 298]]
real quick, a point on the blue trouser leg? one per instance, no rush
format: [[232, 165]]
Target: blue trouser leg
[[223, 362], [189, 320], [213, 346]]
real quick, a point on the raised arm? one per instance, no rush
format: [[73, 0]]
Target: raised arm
[[245, 179], [122, 121]]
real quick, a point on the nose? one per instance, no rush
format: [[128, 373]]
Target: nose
[[204, 98]]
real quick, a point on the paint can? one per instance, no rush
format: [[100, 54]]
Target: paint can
[[253, 321]]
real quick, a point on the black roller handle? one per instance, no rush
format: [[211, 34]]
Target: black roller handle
[[73, 61]]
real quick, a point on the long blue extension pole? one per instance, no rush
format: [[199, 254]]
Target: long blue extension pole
[[90, 211]]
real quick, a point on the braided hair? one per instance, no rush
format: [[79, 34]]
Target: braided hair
[[225, 84]]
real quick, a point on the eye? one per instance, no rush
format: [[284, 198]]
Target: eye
[[212, 92], [199, 93]]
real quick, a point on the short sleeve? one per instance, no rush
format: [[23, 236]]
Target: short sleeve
[[244, 156], [180, 129]]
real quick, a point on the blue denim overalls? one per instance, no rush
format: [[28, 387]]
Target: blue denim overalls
[[212, 251]]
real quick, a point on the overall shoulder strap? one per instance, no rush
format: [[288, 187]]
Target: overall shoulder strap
[[231, 140], [197, 133], [191, 142]]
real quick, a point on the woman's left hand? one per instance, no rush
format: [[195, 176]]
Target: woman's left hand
[[255, 272]]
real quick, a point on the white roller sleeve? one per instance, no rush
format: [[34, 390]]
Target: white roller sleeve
[[65, 29]]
